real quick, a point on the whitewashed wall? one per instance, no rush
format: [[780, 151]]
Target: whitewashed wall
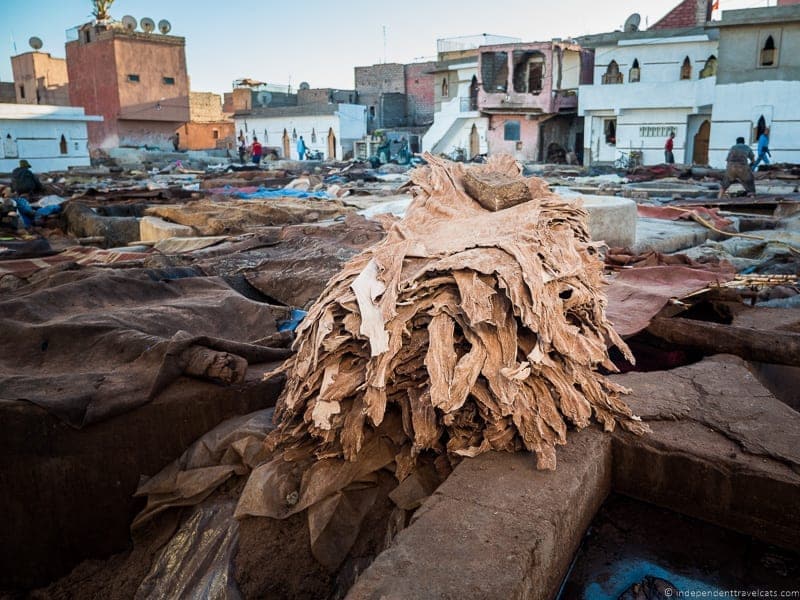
[[33, 133], [348, 124], [736, 112], [648, 109]]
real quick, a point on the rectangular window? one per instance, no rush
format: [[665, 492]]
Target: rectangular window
[[22, 91], [133, 77], [494, 71], [215, 134], [168, 80], [511, 131]]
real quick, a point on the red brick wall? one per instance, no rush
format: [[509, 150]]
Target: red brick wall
[[787, 2], [420, 93], [93, 85], [688, 13]]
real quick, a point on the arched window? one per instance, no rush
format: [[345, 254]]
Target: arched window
[[313, 135], [686, 69], [294, 135], [768, 53], [445, 88], [612, 74], [634, 74], [62, 146], [710, 70], [761, 127]]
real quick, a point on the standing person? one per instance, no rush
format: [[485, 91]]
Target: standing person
[[255, 151], [242, 150], [301, 148], [763, 149], [669, 157], [739, 158], [23, 181]]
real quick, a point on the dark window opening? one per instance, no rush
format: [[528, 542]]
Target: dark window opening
[[87, 36], [62, 146], [168, 80], [768, 53], [371, 112], [760, 128], [22, 91], [710, 70], [215, 134], [610, 130], [133, 77], [528, 71], [612, 74], [511, 131], [635, 72], [686, 69], [445, 88], [473, 94], [494, 71]]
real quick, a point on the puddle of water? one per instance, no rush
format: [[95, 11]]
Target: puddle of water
[[629, 540]]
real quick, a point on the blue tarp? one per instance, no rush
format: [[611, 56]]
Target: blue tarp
[[293, 321], [263, 193]]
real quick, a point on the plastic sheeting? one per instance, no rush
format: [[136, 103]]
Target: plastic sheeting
[[231, 448], [198, 561], [263, 193]]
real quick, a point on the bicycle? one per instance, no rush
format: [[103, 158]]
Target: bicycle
[[628, 161]]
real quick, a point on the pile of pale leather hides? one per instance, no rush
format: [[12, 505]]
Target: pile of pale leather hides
[[465, 330]]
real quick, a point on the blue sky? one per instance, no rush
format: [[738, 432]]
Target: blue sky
[[320, 41]]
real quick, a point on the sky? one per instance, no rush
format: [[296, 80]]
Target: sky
[[320, 41]]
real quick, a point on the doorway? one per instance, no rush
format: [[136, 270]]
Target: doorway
[[331, 144], [286, 146], [474, 142], [700, 153]]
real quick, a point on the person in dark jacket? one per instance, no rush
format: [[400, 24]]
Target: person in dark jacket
[[23, 181], [740, 158]]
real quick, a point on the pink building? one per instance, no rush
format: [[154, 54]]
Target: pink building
[[529, 91]]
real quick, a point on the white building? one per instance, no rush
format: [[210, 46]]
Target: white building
[[330, 128], [758, 82], [646, 85], [51, 138], [458, 126]]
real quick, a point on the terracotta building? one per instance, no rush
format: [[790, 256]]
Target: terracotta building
[[40, 79], [208, 127], [137, 81]]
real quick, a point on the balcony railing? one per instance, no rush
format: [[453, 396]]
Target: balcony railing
[[467, 104]]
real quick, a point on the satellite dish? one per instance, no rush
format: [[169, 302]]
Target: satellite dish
[[129, 23], [632, 23], [264, 98], [164, 26], [148, 25], [35, 43], [304, 85]]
